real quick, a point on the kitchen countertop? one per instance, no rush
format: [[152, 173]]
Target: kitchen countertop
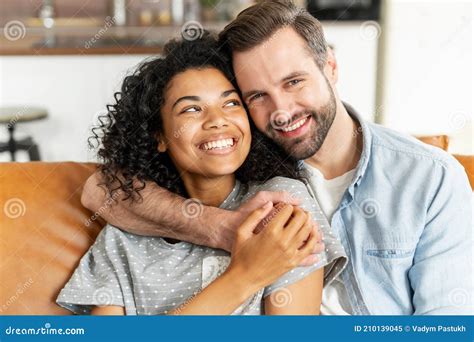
[[91, 40]]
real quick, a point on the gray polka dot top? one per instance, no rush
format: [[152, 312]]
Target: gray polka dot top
[[149, 276]]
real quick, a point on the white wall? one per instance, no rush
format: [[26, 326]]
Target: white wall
[[72, 88], [426, 87], [355, 47]]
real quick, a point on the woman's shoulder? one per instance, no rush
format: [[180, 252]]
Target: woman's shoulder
[[296, 188], [279, 184], [109, 231], [108, 235]]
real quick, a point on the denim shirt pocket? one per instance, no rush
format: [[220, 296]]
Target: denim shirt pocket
[[391, 253], [386, 266]]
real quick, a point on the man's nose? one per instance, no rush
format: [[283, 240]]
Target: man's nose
[[282, 102]]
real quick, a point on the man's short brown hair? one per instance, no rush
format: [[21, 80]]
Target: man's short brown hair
[[256, 24]]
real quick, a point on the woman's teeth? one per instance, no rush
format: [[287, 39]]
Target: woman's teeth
[[218, 144], [298, 124]]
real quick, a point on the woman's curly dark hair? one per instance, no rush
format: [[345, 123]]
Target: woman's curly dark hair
[[127, 133]]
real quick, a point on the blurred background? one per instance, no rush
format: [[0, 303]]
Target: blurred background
[[404, 64]]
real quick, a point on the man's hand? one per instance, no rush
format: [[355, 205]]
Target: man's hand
[[231, 221]]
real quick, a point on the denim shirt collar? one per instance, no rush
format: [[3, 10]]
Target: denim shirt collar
[[366, 148]]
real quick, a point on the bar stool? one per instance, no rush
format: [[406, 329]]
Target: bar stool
[[13, 115]]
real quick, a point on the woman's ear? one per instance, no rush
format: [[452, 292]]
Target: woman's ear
[[162, 147]]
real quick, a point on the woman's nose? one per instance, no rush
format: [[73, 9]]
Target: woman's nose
[[215, 118]]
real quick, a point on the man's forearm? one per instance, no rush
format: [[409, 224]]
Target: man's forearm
[[159, 213]]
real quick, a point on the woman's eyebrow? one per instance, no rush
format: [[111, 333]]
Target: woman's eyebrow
[[228, 92], [197, 98], [190, 98]]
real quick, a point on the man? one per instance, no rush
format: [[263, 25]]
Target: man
[[400, 208]]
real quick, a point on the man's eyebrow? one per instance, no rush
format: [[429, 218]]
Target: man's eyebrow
[[184, 98], [293, 75], [251, 92]]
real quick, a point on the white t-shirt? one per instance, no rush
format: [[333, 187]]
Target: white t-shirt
[[335, 300]]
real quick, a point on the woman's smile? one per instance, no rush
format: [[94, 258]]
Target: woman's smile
[[219, 145]]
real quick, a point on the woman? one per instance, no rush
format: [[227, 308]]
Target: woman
[[179, 121]]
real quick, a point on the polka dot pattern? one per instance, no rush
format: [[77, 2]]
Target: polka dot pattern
[[149, 276]]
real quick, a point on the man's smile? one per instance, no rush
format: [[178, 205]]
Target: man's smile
[[297, 128]]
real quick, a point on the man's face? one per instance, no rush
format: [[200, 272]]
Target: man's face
[[289, 98]]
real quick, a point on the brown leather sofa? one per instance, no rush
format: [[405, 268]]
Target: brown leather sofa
[[44, 231]]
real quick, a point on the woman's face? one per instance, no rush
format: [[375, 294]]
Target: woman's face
[[205, 126]]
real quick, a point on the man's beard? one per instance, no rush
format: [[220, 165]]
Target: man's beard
[[301, 148]]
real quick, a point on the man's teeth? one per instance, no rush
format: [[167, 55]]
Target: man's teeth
[[218, 144], [298, 124]]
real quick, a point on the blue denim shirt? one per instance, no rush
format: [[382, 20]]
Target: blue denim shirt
[[406, 224]]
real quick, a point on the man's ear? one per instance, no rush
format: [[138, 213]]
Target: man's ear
[[162, 147], [331, 70]]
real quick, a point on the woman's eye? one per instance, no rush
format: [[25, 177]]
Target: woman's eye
[[232, 103], [191, 109]]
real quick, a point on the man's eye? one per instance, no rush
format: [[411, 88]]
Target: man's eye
[[294, 82], [256, 97]]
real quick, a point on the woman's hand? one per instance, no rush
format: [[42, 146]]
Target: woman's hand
[[257, 259], [288, 237]]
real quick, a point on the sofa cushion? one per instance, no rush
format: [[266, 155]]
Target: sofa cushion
[[44, 231]]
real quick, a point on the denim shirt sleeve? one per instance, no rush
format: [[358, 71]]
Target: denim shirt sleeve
[[442, 274]]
